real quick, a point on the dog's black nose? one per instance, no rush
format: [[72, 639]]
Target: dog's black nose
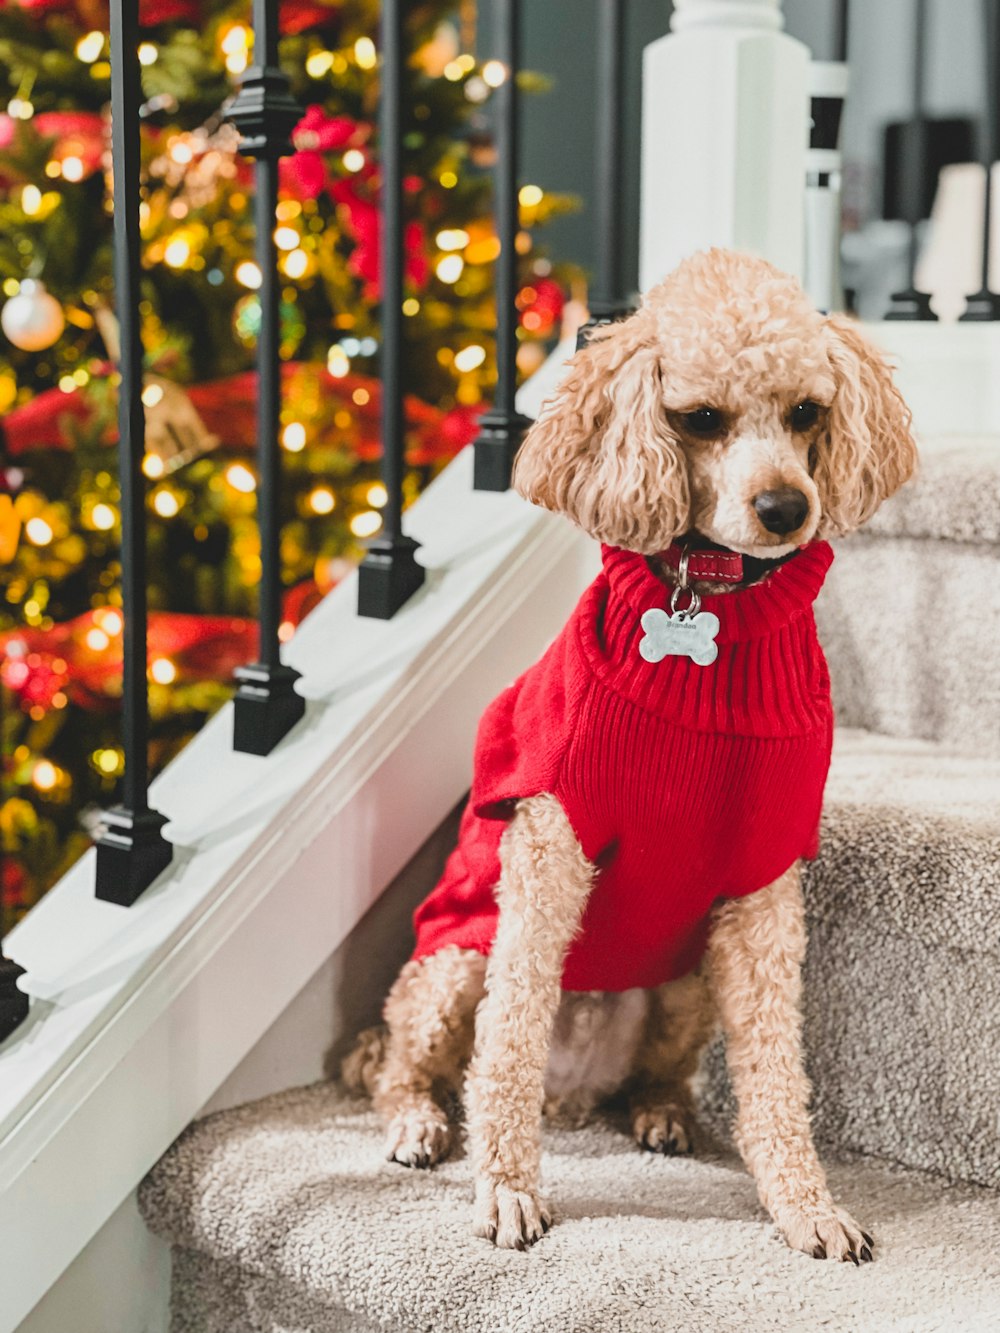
[[783, 510]]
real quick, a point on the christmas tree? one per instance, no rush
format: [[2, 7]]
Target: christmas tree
[[61, 625]]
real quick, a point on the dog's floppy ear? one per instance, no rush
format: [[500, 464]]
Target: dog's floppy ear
[[602, 451], [867, 450]]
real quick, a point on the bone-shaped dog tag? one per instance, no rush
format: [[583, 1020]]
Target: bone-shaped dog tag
[[680, 635]]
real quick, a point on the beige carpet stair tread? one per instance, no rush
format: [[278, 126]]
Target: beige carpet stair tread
[[289, 1204], [954, 497]]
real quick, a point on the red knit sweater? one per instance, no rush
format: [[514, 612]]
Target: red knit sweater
[[683, 783]]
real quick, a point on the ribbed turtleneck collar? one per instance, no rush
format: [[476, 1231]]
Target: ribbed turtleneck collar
[[769, 678], [744, 614]]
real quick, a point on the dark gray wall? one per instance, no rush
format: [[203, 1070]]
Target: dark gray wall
[[558, 126], [880, 52]]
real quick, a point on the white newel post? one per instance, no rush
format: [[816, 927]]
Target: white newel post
[[724, 136]]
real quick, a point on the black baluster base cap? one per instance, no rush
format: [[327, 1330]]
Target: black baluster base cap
[[388, 577], [602, 313], [131, 853], [500, 436], [911, 305], [266, 707], [983, 306], [265, 112], [13, 1002]]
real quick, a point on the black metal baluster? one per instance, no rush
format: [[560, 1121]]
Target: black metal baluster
[[502, 428], [828, 83], [608, 302], [14, 1002], [266, 706], [985, 304], [131, 849], [912, 304], [841, 20], [389, 574]]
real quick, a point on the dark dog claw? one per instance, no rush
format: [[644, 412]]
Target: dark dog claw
[[866, 1254], [819, 1252], [853, 1258], [868, 1240]]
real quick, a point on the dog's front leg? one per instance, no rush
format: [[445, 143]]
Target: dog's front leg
[[756, 950], [544, 883]]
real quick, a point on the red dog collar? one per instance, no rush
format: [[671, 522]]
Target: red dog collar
[[707, 566]]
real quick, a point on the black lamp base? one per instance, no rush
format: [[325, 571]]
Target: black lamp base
[[500, 436], [983, 306], [388, 577], [602, 313], [131, 853], [13, 1002], [911, 305], [265, 708]]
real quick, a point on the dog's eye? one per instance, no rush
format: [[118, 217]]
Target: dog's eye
[[804, 415], [705, 421]]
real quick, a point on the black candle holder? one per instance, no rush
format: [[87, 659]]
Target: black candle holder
[[984, 306], [910, 303]]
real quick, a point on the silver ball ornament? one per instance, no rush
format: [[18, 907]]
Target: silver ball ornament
[[33, 319]]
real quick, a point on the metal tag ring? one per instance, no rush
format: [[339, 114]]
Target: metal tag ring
[[692, 608], [682, 567]]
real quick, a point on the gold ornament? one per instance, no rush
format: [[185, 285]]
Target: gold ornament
[[175, 433]]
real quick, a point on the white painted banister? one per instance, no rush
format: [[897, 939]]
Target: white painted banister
[[689, 14], [725, 132]]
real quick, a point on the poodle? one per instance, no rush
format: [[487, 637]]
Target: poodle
[[627, 872]]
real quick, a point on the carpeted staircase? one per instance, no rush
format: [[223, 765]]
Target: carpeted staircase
[[285, 1218]]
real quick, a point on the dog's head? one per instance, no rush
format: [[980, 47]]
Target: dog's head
[[726, 406]]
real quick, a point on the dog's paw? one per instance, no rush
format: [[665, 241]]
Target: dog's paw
[[569, 1112], [512, 1219], [667, 1128], [829, 1233], [360, 1068], [418, 1136]]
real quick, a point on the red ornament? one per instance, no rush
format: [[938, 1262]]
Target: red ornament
[[227, 408], [300, 600], [13, 886], [76, 134], [154, 12], [301, 15], [36, 678], [306, 174], [293, 15], [94, 13], [541, 305], [90, 648], [364, 221]]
